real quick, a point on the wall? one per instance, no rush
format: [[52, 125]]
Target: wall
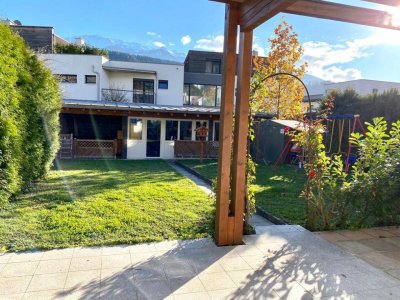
[[79, 65], [171, 72], [363, 86]]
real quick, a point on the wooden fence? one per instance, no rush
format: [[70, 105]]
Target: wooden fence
[[187, 149], [95, 149]]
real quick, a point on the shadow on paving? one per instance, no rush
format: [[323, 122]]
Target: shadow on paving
[[285, 262]]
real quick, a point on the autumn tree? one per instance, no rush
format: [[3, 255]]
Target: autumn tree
[[281, 95]]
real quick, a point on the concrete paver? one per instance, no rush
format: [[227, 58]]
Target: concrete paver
[[279, 262]]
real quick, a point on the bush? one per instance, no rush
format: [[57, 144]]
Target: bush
[[369, 195], [84, 49], [29, 107]]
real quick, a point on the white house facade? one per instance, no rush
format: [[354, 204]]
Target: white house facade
[[138, 105]]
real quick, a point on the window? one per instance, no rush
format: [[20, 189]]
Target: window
[[171, 130], [202, 95], [163, 84], [67, 78], [90, 79], [213, 67], [216, 131], [135, 129], [143, 91], [185, 132]]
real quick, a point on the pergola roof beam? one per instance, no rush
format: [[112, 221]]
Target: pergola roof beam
[[344, 13], [386, 2]]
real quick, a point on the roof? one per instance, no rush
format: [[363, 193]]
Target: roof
[[290, 123], [69, 103]]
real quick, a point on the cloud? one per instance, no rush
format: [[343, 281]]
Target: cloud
[[259, 49], [185, 40], [159, 44], [151, 33], [325, 59], [211, 44], [171, 44]]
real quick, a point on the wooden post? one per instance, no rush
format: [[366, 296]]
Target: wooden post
[[241, 134], [222, 220]]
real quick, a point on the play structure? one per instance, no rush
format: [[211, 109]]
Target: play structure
[[272, 143]]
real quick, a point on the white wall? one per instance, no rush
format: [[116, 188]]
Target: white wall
[[173, 73], [363, 86], [136, 149], [80, 65]]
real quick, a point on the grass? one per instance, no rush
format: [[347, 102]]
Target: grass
[[87, 203], [277, 190]]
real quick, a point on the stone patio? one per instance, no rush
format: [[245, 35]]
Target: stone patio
[[378, 246], [280, 262]]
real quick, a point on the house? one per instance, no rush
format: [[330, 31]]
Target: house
[[140, 105], [363, 86]]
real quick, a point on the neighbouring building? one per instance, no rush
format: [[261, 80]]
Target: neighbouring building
[[363, 86]]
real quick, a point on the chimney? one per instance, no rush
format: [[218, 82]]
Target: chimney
[[79, 41]]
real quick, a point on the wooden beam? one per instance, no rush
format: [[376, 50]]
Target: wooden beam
[[386, 2], [241, 133], [222, 220], [255, 12], [343, 13]]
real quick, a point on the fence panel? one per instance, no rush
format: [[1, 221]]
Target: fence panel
[[95, 149], [187, 149]]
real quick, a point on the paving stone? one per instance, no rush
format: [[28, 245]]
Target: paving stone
[[58, 254], [81, 279], [377, 232], [19, 269], [247, 250], [395, 273], [192, 296], [88, 252], [225, 294], [394, 241], [179, 269], [115, 250], [395, 230], [234, 264], [354, 247], [380, 244], [149, 289], [185, 285], [331, 236], [47, 282], [392, 254], [85, 263], [5, 257], [142, 248], [116, 261], [14, 285], [355, 235], [379, 260], [216, 281], [50, 294], [53, 266], [25, 257]]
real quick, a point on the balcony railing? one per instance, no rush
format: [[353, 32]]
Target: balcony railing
[[126, 96]]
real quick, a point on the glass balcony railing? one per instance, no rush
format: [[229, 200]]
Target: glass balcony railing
[[126, 96]]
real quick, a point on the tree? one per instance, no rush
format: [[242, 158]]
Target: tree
[[281, 95]]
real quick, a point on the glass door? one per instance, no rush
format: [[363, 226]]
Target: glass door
[[153, 144]]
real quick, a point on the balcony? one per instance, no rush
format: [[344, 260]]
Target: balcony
[[126, 96]]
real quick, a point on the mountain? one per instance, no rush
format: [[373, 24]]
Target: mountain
[[315, 85], [122, 56], [132, 48]]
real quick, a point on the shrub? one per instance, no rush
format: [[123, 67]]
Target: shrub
[[84, 49], [29, 107], [369, 195]]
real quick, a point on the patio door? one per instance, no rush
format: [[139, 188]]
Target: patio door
[[153, 144]]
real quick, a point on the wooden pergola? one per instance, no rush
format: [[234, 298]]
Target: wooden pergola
[[243, 16]]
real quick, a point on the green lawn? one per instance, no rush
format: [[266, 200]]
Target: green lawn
[[277, 190], [106, 202]]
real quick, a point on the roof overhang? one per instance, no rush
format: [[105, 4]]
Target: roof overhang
[[127, 70]]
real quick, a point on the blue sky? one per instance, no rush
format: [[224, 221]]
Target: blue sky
[[335, 51]]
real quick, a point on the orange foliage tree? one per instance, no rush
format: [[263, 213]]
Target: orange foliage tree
[[280, 95]]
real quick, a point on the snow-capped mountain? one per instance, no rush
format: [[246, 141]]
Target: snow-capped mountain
[[132, 48]]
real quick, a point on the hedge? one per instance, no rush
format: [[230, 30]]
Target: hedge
[[30, 104]]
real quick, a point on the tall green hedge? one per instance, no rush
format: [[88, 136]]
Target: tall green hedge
[[30, 103]]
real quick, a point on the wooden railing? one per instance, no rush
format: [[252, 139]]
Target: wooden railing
[[95, 149], [192, 149]]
